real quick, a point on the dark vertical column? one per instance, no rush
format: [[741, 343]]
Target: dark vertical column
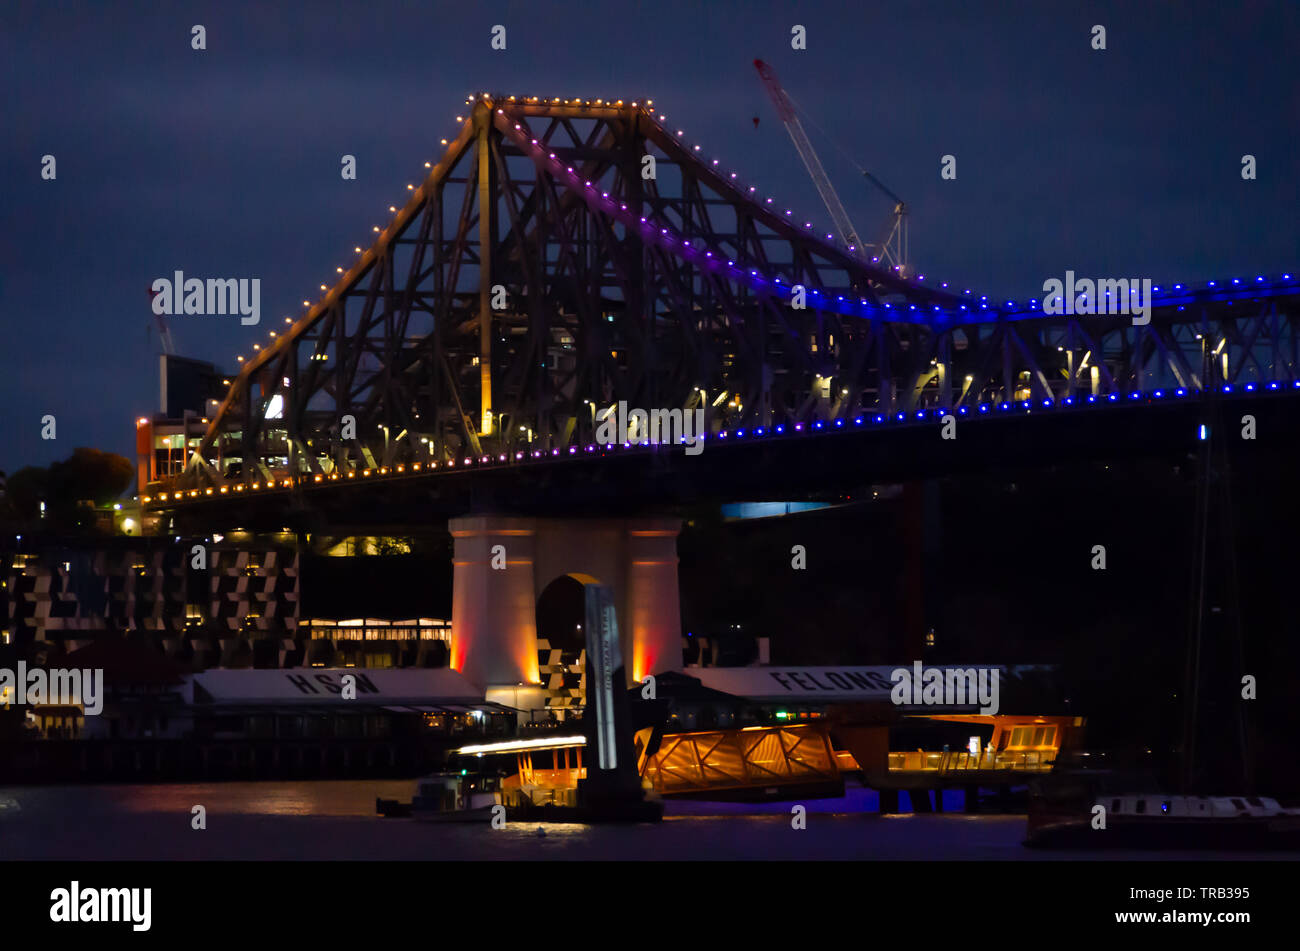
[[913, 573], [888, 802], [922, 535], [486, 216]]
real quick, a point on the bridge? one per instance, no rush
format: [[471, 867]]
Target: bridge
[[538, 274], [564, 255]]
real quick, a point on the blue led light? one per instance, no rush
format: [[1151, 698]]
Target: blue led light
[[817, 425], [877, 419], [1113, 397], [984, 408], [1250, 387], [858, 421], [780, 429], [740, 434], [1004, 406], [1227, 387], [1180, 392], [1047, 402], [1158, 394], [962, 410], [920, 414], [1092, 398], [1025, 404], [1068, 401], [722, 435], [838, 423], [902, 416], [1273, 385], [758, 432], [1135, 396]]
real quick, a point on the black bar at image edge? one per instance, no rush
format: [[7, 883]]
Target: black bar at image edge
[[331, 900]]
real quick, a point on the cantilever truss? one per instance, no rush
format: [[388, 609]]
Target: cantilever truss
[[541, 271]]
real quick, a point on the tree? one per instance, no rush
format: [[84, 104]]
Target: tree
[[24, 491], [87, 476]]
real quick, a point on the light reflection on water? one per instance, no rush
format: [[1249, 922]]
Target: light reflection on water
[[332, 820], [316, 798]]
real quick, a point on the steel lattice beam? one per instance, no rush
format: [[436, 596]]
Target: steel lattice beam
[[671, 291]]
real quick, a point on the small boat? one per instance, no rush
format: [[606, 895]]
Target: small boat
[[456, 796], [448, 796], [1161, 821], [544, 788]]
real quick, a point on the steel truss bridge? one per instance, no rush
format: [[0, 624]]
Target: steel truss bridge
[[540, 272]]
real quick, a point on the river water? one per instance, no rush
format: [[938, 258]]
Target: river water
[[336, 820]]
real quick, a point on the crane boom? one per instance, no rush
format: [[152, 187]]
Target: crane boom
[[165, 335], [164, 332], [882, 186], [785, 109]]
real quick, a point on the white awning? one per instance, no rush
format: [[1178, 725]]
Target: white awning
[[412, 686], [798, 683], [813, 684]]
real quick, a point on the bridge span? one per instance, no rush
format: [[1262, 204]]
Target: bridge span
[[564, 256]]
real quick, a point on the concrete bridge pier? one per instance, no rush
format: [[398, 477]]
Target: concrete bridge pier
[[503, 564]]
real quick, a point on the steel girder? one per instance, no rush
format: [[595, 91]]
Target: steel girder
[[540, 271]]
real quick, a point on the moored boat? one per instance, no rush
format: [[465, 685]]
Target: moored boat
[[1162, 821], [544, 788]]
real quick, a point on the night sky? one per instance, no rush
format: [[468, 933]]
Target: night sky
[[225, 162]]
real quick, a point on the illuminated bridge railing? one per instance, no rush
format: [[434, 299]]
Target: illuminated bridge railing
[[1034, 761], [1088, 402]]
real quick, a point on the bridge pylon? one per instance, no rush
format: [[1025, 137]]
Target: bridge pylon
[[502, 563]]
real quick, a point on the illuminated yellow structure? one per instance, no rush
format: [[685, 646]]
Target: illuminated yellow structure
[[765, 762], [752, 758], [1018, 744]]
